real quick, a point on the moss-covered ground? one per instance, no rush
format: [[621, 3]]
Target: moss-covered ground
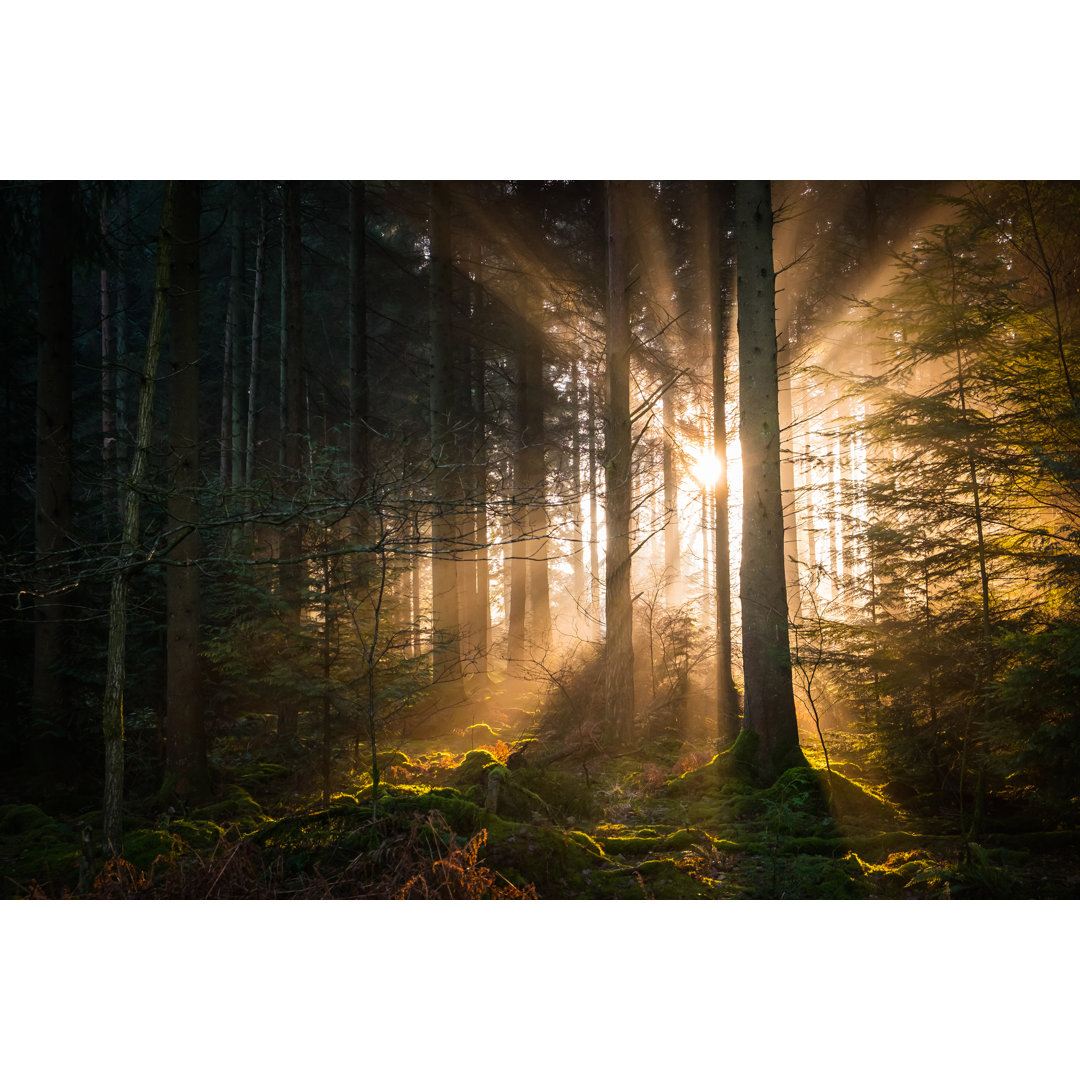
[[489, 813]]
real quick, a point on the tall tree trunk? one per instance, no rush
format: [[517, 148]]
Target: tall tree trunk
[[594, 511], [359, 398], [292, 383], [53, 520], [577, 545], [108, 381], [673, 583], [618, 606], [112, 720], [230, 449], [446, 618], [770, 704], [531, 486], [256, 346], [721, 281], [185, 749], [482, 614]]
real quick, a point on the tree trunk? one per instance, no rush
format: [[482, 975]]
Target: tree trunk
[[359, 406], [53, 520], [673, 583], [256, 347], [292, 368], [618, 607], [594, 512], [112, 721], [108, 383], [185, 749], [446, 618], [769, 710], [722, 273], [577, 545], [529, 475]]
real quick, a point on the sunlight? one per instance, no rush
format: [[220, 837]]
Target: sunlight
[[707, 468]]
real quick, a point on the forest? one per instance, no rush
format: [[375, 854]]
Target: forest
[[540, 540]]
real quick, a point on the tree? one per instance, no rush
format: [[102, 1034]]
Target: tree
[[769, 707], [720, 290], [185, 743], [112, 722], [445, 531], [53, 512], [618, 607]]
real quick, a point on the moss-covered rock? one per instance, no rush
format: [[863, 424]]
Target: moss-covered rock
[[638, 844], [15, 818], [237, 808], [473, 768]]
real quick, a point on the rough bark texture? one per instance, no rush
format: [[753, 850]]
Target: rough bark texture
[[531, 486], [358, 357], [769, 709], [112, 720], [618, 609], [185, 750], [52, 533], [292, 383], [444, 527], [722, 282]]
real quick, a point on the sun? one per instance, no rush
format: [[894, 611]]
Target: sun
[[707, 468]]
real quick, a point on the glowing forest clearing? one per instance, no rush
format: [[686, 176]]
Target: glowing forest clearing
[[546, 540]]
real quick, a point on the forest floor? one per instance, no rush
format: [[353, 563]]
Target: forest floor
[[492, 811]]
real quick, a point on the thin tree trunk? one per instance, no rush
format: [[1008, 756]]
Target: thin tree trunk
[[53, 517], [619, 646], [577, 545], [112, 722], [256, 347], [446, 616], [108, 383], [721, 283], [673, 583], [594, 512], [292, 366], [230, 446]]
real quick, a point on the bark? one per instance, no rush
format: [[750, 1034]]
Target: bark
[[108, 383], [52, 530], [256, 346], [529, 473], [769, 710], [727, 701], [116, 650], [673, 583], [577, 546], [446, 619], [618, 609], [594, 511], [292, 363], [185, 749], [359, 396], [230, 447]]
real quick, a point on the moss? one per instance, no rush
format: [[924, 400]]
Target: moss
[[665, 881], [587, 842], [260, 774], [814, 845], [849, 800], [639, 844], [561, 865], [480, 735], [237, 808], [15, 819], [474, 768]]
